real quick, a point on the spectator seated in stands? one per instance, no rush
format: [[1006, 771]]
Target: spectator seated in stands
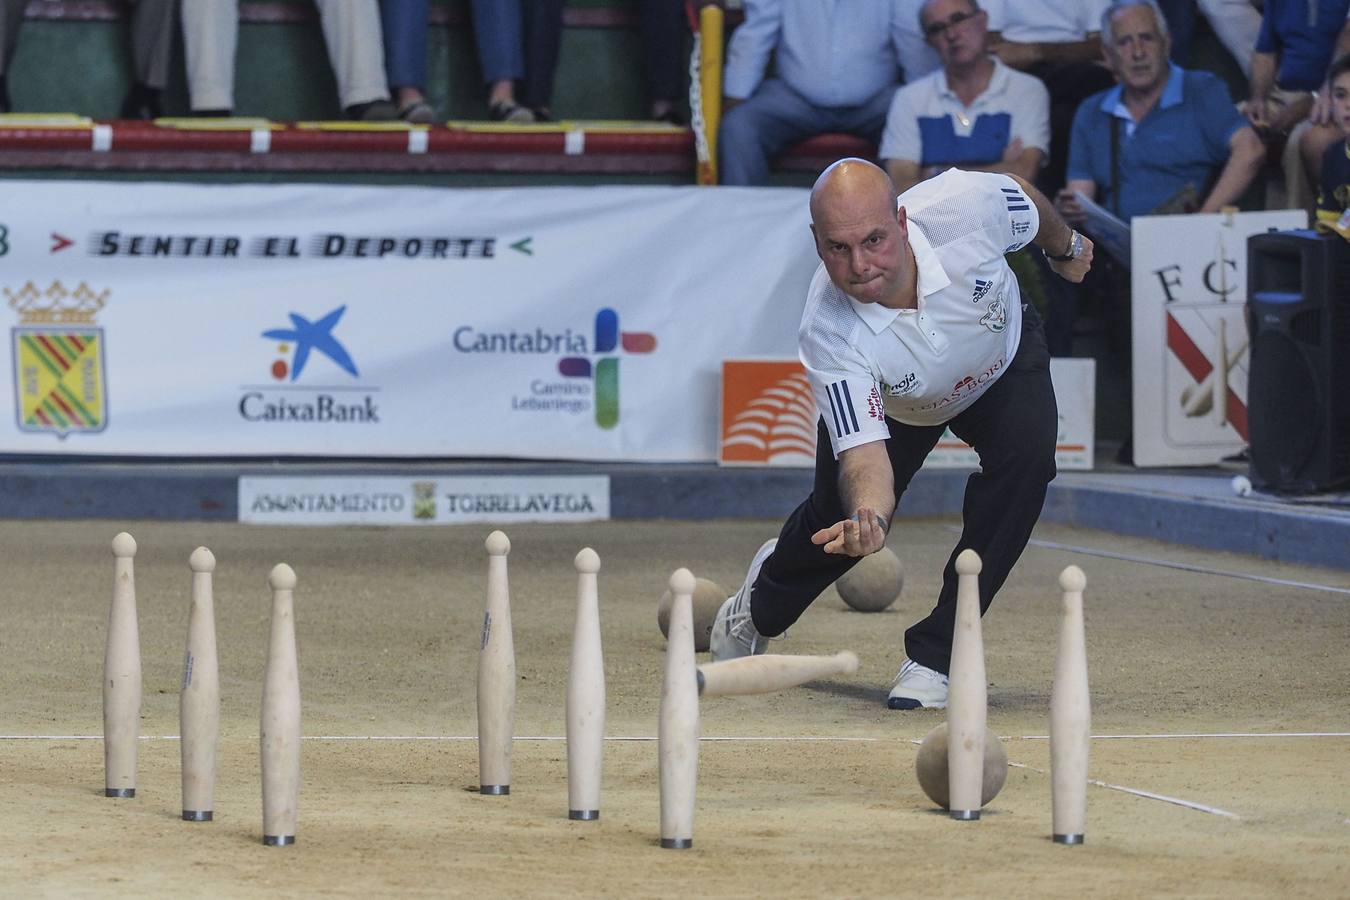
[[1058, 43], [974, 112], [152, 24], [1333, 201], [1160, 132], [351, 30], [1151, 144], [1297, 42], [837, 66]]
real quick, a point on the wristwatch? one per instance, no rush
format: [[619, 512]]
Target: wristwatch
[[1075, 249]]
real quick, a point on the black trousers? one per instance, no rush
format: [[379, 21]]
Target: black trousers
[[1013, 427]]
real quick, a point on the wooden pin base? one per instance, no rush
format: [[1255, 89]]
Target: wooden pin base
[[1068, 839], [677, 843], [496, 790], [197, 815], [966, 815], [278, 840], [583, 815], [119, 792]]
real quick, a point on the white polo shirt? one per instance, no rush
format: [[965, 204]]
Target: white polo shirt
[[928, 124], [923, 366]]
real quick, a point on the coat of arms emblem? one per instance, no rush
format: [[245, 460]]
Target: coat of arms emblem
[[59, 371]]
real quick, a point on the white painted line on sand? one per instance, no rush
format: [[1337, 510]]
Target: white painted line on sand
[[1186, 567], [1147, 795], [1183, 736], [711, 738], [457, 737]]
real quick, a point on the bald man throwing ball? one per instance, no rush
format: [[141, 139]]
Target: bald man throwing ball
[[913, 324]]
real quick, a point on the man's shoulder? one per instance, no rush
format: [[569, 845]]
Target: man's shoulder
[[828, 318], [1198, 82], [1023, 82], [922, 88]]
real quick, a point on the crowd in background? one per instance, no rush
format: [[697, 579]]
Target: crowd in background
[[378, 53]]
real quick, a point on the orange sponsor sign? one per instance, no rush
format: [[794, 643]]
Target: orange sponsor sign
[[768, 414]]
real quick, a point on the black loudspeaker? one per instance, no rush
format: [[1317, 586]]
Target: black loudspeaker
[[1298, 389]]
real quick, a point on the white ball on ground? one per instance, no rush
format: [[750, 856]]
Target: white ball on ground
[[874, 583], [708, 599], [1242, 485]]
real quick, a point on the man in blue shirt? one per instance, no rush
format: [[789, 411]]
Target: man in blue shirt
[[1138, 145], [837, 65], [1293, 51]]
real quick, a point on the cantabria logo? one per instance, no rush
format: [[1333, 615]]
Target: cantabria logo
[[589, 370], [605, 372]]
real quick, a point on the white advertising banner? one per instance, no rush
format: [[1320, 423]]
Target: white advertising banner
[[447, 500], [323, 320], [1190, 345]]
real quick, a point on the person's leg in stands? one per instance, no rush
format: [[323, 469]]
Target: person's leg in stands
[[756, 130], [664, 58], [152, 24], [351, 30], [210, 36], [11, 17], [542, 20], [866, 120], [497, 33], [404, 25]]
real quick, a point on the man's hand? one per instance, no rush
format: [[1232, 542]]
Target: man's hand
[[1321, 108], [1066, 201], [857, 536], [1255, 109], [1074, 269]]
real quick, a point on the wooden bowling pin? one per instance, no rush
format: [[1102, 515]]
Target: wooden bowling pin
[[585, 696], [966, 695], [122, 676], [677, 735], [762, 674], [280, 727], [1070, 715], [199, 699], [496, 676]]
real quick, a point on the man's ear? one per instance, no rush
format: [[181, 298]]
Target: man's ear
[[902, 219]]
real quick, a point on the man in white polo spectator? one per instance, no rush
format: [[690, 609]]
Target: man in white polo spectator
[[973, 112]]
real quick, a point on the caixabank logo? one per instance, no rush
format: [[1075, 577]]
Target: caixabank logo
[[587, 370], [310, 345], [59, 373]]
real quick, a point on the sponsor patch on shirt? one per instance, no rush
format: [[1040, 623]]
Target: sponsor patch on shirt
[[875, 409], [907, 385], [996, 319], [982, 288]]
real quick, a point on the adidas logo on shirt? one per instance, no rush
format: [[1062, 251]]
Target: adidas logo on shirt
[[982, 287]]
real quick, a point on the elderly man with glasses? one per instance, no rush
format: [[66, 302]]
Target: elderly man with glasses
[[974, 112]]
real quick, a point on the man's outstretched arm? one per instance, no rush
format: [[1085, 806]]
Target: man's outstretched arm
[[867, 490]]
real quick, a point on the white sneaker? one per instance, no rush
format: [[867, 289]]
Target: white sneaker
[[733, 632], [918, 687]]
